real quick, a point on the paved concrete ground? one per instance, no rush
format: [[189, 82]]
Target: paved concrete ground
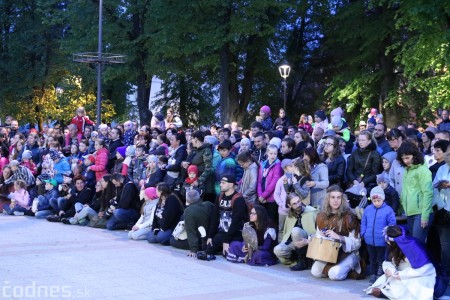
[[45, 260]]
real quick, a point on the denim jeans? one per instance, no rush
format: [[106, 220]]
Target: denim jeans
[[416, 230], [83, 212], [11, 211], [377, 255], [58, 204], [42, 214], [122, 218], [43, 203], [162, 237]]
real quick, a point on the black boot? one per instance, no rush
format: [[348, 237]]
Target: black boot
[[302, 263]]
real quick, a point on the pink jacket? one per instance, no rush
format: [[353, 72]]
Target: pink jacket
[[279, 196], [21, 197], [273, 174], [101, 161]]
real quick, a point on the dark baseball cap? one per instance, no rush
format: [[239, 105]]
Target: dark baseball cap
[[230, 178]]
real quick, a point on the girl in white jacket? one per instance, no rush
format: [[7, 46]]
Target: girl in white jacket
[[143, 226]]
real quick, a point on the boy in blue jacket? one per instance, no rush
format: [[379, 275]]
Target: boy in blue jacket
[[376, 216]]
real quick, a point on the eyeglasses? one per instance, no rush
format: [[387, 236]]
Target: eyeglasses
[[296, 203], [329, 144], [253, 213]]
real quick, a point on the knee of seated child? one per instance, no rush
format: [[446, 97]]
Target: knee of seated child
[[333, 273], [316, 270]]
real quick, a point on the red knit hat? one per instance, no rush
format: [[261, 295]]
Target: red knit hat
[[193, 169]]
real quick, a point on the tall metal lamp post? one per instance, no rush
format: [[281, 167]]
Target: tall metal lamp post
[[99, 59], [284, 69]]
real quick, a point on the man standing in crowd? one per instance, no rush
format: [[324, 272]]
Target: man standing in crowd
[[380, 135], [255, 127], [33, 146], [224, 134], [13, 128], [260, 146], [445, 124], [317, 136], [115, 142], [442, 135]]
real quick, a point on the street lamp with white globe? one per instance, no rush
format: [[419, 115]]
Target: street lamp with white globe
[[284, 69]]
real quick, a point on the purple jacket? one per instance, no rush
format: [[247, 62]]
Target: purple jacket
[[274, 173]]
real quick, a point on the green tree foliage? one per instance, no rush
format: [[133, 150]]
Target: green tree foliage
[[226, 39], [191, 99], [363, 74], [423, 49]]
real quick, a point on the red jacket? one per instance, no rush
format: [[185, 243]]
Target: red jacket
[[101, 161], [81, 122]]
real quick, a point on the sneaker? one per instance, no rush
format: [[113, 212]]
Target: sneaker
[[372, 279], [210, 257], [65, 221], [19, 213], [53, 218], [300, 266]]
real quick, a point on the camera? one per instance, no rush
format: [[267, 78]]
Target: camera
[[202, 255], [113, 204]]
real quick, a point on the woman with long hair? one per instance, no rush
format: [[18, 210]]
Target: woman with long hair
[[266, 236], [304, 124], [172, 120], [334, 160], [319, 177], [166, 216], [338, 222], [364, 164], [417, 191]]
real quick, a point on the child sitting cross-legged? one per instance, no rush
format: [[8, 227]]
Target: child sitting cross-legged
[[144, 225], [41, 205], [20, 199]]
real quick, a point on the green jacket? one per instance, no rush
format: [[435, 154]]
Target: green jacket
[[195, 215], [203, 159], [417, 191], [308, 221]]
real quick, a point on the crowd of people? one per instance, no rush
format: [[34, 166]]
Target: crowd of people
[[258, 196]]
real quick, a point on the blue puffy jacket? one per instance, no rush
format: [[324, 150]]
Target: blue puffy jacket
[[373, 222]]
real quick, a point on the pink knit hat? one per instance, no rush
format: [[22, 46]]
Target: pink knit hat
[[265, 109], [151, 193]]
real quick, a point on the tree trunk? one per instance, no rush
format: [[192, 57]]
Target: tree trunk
[[143, 98], [224, 84]]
